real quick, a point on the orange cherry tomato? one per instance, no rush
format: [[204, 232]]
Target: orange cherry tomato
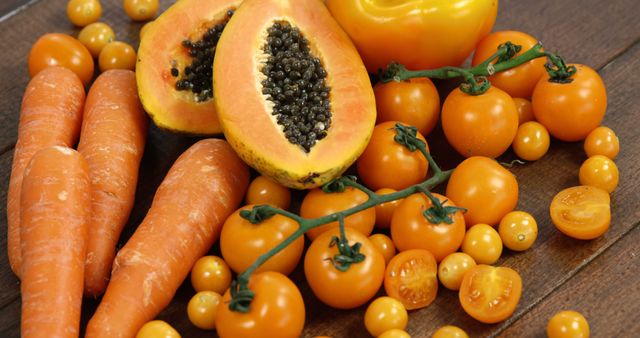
[[330, 284], [117, 55], [55, 49], [599, 171], [411, 277], [450, 331], [415, 102], [525, 110], [277, 306], [480, 125], [518, 230], [485, 188], [242, 242], [395, 333], [83, 12], [157, 329], [140, 10], [384, 211], [202, 309], [490, 294], [581, 212], [384, 245], [532, 141], [384, 314], [518, 81], [570, 111], [210, 273], [483, 243], [386, 163], [452, 268], [568, 324], [95, 36], [410, 229], [602, 141], [318, 203], [263, 190]]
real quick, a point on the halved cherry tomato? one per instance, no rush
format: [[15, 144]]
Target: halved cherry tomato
[[55, 49], [386, 163], [263, 190], [599, 171], [570, 111], [210, 273], [277, 306], [410, 228], [602, 141], [518, 81], [452, 269], [532, 141], [157, 329], [203, 308], [483, 243], [480, 125], [415, 102], [411, 277], [581, 212], [384, 245], [384, 314], [525, 110], [343, 289], [490, 294], [485, 188], [568, 324], [242, 242], [384, 211], [450, 331], [318, 203], [518, 230]]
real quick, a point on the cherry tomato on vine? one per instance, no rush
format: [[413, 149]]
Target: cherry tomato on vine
[[277, 306], [395, 333], [210, 273], [599, 171], [95, 36], [518, 81], [602, 141], [568, 324], [410, 228], [242, 242], [518, 230], [525, 110], [384, 211], [384, 245], [531, 142], [490, 294], [411, 277], [581, 212], [450, 331], [570, 111], [479, 125], [202, 309], [452, 268], [384, 314], [318, 203], [263, 190], [83, 12], [343, 289], [140, 10], [117, 55], [56, 49], [483, 243], [386, 163], [414, 102], [485, 188], [157, 329]]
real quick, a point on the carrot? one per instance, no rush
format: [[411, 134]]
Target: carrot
[[202, 188], [51, 114], [114, 129], [54, 209]]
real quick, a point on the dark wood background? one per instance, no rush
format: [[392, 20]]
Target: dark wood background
[[599, 278]]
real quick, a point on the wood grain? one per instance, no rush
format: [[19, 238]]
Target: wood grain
[[557, 272]]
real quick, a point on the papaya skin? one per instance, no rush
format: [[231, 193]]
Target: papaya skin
[[245, 113], [170, 109]]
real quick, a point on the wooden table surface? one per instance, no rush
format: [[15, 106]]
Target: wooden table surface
[[599, 278]]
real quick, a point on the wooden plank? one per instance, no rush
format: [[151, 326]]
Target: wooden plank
[[606, 292]]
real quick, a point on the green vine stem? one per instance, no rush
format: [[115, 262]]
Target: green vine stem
[[241, 295], [475, 78]]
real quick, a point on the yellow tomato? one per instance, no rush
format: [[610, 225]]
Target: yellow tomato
[[483, 243], [157, 329], [599, 171]]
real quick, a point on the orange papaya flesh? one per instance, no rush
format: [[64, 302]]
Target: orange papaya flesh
[[174, 67], [292, 94]]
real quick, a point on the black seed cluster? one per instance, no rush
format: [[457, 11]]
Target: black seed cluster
[[296, 85], [197, 76]]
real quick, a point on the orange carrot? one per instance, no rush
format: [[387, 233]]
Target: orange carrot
[[114, 129], [51, 114], [203, 187], [55, 206]]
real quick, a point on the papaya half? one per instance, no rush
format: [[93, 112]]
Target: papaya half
[[174, 67], [292, 94]]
